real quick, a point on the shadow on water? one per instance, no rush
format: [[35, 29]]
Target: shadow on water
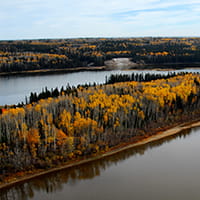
[[55, 181]]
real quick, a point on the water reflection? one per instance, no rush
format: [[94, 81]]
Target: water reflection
[[55, 182]]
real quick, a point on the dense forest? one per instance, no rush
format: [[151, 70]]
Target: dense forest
[[91, 120], [24, 55]]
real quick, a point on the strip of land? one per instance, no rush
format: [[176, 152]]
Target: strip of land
[[141, 67], [156, 136]]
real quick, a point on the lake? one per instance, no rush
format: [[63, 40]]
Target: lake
[[13, 89], [165, 169]]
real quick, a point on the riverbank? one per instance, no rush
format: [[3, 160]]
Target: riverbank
[[141, 141], [52, 71], [136, 67], [168, 66]]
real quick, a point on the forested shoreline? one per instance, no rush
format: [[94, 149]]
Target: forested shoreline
[[90, 120], [56, 54]]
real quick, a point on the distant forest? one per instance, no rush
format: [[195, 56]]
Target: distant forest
[[26, 55]]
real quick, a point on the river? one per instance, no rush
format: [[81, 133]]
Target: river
[[165, 169], [14, 89]]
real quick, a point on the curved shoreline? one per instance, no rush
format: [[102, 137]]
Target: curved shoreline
[[159, 135]]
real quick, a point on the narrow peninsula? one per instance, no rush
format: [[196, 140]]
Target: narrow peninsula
[[91, 121]]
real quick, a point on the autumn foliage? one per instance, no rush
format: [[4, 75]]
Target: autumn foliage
[[91, 120], [148, 52]]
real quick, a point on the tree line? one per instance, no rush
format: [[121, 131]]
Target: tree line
[[115, 78]]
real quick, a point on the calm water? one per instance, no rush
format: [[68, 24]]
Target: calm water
[[163, 170], [14, 89]]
